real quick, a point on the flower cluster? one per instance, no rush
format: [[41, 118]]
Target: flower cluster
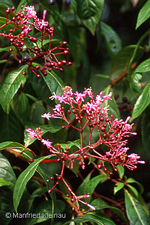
[[112, 132], [32, 48], [89, 114]]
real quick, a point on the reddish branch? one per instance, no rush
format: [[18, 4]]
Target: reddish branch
[[18, 155], [122, 75]]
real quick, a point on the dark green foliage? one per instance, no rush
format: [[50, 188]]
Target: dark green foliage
[[108, 55]]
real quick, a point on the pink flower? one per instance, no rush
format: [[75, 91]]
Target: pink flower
[[40, 24], [105, 98], [32, 134], [88, 92], [60, 98], [132, 161], [31, 13], [47, 143], [89, 107], [46, 116], [112, 133], [58, 109], [80, 97]]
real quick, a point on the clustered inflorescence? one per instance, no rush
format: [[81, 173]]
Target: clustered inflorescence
[[33, 47], [89, 114]]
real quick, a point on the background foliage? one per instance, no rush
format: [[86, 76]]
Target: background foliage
[[109, 48]]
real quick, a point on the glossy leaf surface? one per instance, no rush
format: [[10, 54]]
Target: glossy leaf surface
[[22, 180], [142, 102], [89, 11], [135, 211]]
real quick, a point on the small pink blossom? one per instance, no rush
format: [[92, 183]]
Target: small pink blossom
[[58, 109], [46, 116], [31, 13], [39, 24], [60, 98], [105, 98], [89, 92], [79, 96], [32, 134], [132, 160], [47, 143]]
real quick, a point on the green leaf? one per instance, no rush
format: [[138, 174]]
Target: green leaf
[[143, 67], [54, 83], [46, 85], [142, 102], [17, 147], [121, 61], [144, 204], [36, 111], [89, 11], [20, 106], [6, 172], [111, 104], [135, 211], [99, 204], [113, 42], [6, 205], [4, 182], [34, 99], [11, 85], [120, 170], [44, 210], [144, 14], [4, 145], [135, 85], [10, 127], [58, 20], [79, 53], [89, 217], [136, 50], [37, 193], [118, 187], [76, 39], [7, 3], [10, 144], [131, 180], [89, 185], [22, 180], [2, 10], [133, 190], [105, 76], [146, 128]]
